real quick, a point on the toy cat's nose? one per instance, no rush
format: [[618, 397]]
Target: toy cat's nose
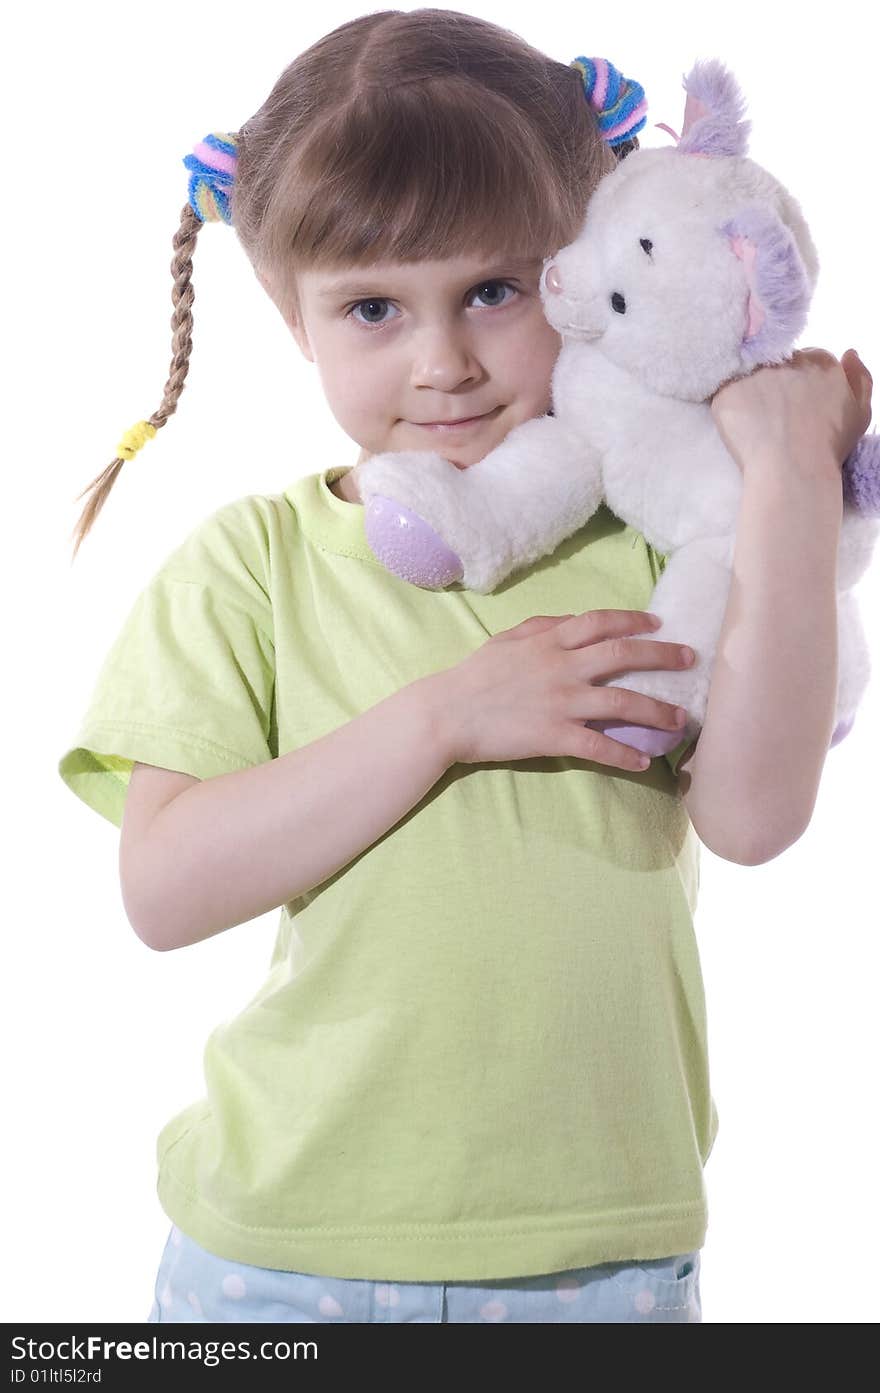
[[552, 281]]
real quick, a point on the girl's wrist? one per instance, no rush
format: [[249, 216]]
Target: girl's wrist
[[773, 466], [440, 702]]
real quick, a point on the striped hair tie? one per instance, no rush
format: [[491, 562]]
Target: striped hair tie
[[212, 172], [618, 101]]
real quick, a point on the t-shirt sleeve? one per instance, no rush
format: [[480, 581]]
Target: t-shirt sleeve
[[187, 685]]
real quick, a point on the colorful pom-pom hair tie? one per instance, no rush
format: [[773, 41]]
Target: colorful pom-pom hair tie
[[212, 174], [619, 102]]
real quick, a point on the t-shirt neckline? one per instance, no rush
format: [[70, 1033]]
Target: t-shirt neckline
[[332, 522]]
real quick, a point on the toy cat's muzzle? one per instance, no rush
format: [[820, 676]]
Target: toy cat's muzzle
[[580, 318]]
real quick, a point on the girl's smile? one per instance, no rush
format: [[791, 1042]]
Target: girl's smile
[[456, 426]]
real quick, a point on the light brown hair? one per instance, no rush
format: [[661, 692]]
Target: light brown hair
[[399, 136]]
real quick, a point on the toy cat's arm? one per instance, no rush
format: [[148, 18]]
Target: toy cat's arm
[[432, 523]]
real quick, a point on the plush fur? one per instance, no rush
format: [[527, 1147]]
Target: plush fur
[[693, 265]]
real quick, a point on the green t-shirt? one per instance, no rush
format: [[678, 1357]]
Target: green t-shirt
[[480, 1050]]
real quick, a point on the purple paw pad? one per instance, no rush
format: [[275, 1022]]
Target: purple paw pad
[[407, 546], [645, 738], [841, 731]]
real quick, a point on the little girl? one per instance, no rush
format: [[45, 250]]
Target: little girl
[[474, 1085]]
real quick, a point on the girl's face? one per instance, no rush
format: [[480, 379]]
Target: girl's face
[[399, 345]]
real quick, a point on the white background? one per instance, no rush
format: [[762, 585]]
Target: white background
[[104, 1038]]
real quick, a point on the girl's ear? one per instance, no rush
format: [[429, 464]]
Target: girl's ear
[[779, 289], [293, 322], [297, 328]]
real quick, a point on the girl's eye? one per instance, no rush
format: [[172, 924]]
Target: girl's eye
[[375, 306], [478, 290], [369, 306]]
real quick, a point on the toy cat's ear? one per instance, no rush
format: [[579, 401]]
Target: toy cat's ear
[[779, 288], [713, 112]]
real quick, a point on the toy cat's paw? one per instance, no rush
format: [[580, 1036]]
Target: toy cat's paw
[[412, 504], [407, 546], [648, 739]]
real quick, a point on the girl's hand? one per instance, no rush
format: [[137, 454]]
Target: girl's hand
[[526, 692], [810, 411]]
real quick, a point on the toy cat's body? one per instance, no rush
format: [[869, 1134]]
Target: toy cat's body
[[694, 265], [664, 468]]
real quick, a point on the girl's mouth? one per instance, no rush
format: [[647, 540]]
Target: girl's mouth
[[446, 427]]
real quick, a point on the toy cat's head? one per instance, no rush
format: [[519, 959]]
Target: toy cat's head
[[693, 265]]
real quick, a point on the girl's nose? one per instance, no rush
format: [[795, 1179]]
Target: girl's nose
[[552, 279], [443, 362]]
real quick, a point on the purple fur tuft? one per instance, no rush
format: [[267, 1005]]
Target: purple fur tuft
[[861, 476], [722, 131], [782, 284]]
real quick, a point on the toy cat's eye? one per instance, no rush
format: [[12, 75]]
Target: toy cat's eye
[[618, 303], [646, 244]]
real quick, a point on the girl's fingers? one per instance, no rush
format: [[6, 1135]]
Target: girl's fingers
[[534, 624], [860, 383], [594, 625]]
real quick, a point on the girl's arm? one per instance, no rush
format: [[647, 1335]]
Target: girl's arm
[[228, 849], [220, 851], [751, 785]]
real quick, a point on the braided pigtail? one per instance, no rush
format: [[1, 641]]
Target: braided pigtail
[[212, 168]]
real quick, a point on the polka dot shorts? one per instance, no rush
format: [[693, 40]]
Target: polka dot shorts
[[196, 1286]]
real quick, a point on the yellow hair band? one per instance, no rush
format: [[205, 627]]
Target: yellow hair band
[[134, 439]]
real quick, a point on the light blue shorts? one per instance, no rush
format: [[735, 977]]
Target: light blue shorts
[[196, 1286]]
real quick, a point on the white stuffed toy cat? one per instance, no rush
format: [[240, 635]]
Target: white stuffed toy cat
[[693, 266]]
